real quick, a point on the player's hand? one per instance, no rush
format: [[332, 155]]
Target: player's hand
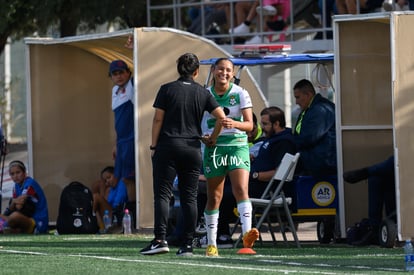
[[228, 123], [208, 141]]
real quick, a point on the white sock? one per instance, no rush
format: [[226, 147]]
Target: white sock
[[245, 212], [211, 224]]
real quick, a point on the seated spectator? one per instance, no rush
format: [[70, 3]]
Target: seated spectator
[[277, 142], [99, 187], [398, 5], [276, 14], [314, 131], [27, 211], [113, 200], [381, 189], [326, 17], [351, 6], [245, 13], [215, 18]]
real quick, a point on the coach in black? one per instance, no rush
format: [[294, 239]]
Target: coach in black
[[176, 150]]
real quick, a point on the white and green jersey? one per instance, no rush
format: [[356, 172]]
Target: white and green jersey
[[233, 102]]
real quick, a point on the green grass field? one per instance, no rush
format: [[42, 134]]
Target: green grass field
[[119, 254]]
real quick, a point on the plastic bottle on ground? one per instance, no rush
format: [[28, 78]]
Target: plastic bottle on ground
[[408, 256], [114, 219], [107, 221], [126, 222]]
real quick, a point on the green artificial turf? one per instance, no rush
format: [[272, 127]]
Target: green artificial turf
[[119, 254]]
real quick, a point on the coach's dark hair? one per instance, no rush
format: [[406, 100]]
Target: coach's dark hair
[[275, 114], [187, 64], [304, 85]]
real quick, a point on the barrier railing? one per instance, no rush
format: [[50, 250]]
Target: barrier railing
[[304, 22]]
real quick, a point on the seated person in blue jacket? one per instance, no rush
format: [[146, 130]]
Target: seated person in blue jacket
[[116, 199], [381, 189], [27, 211], [314, 132], [277, 142]]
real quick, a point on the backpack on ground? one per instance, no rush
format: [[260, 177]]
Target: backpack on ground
[[76, 214], [362, 233]]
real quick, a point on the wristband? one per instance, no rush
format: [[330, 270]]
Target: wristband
[[152, 147]]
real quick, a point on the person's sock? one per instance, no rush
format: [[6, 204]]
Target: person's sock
[[211, 219], [247, 22], [245, 211]]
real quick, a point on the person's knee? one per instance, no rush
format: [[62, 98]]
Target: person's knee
[[213, 202], [16, 219]]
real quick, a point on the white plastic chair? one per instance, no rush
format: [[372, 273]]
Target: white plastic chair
[[276, 199]]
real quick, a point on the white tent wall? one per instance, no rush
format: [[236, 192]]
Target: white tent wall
[[374, 61], [70, 121]]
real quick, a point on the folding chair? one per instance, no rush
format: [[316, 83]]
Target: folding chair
[[276, 200]]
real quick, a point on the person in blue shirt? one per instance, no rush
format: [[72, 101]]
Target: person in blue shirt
[[123, 107], [27, 211], [116, 199], [314, 132], [277, 142]]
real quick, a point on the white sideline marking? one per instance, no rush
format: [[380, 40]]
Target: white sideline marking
[[219, 266], [24, 252], [205, 265], [173, 262]]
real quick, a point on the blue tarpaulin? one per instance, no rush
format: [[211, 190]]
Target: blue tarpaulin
[[300, 58], [276, 59]]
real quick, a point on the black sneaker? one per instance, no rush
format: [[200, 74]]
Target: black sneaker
[[224, 242], [155, 247], [186, 250]]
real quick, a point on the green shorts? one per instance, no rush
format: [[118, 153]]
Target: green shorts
[[219, 160]]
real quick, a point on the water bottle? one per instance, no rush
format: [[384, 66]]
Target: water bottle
[[408, 257], [107, 221], [115, 219], [126, 222]]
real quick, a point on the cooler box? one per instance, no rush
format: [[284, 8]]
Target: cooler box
[[316, 196]]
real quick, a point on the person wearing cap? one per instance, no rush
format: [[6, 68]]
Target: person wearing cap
[[123, 107]]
